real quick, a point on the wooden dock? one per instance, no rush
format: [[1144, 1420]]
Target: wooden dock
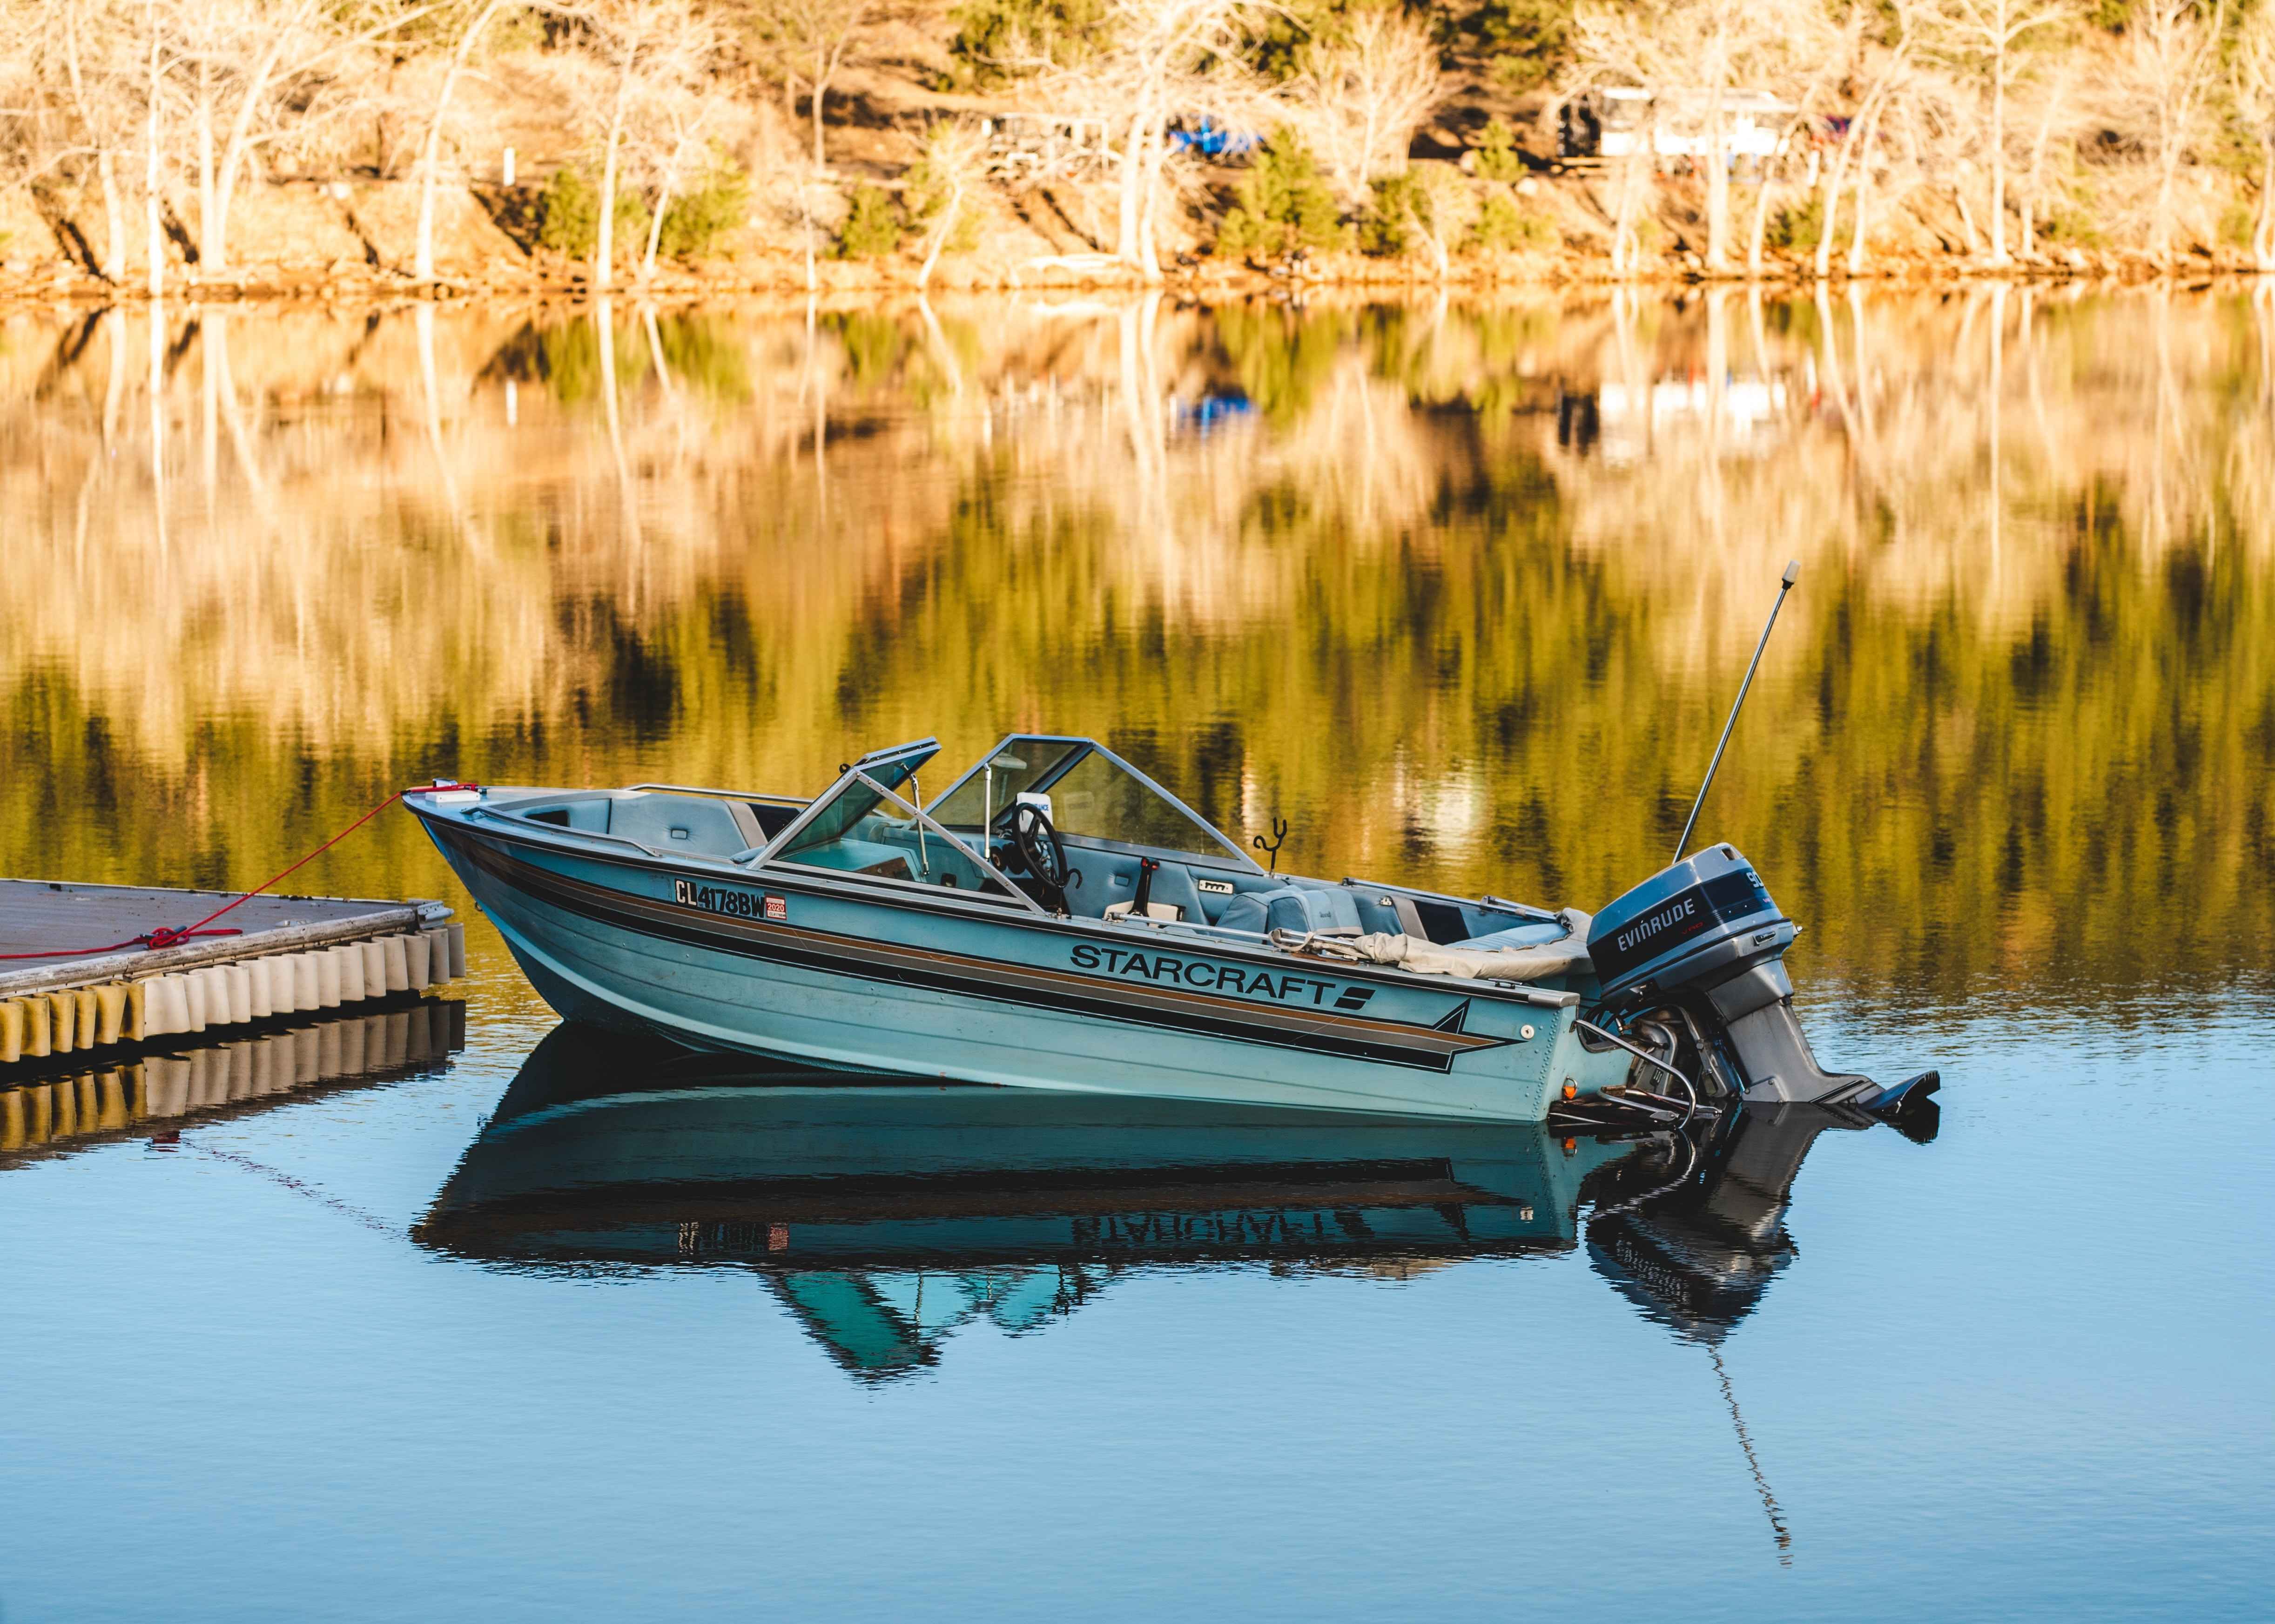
[[291, 956]]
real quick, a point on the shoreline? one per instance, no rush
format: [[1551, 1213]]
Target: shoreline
[[1205, 284]]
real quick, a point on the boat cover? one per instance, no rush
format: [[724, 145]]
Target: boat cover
[[1567, 955]]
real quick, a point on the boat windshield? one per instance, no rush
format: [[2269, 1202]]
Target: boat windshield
[[1094, 795], [831, 832]]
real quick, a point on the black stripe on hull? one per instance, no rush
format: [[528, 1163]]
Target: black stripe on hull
[[1320, 1032]]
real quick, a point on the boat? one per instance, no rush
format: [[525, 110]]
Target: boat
[[887, 1213], [1056, 919]]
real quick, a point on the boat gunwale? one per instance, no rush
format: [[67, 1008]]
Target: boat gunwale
[[931, 899]]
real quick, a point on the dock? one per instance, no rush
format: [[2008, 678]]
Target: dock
[[286, 957]]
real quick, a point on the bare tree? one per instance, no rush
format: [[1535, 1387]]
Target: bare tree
[[1681, 51], [808, 40], [2252, 79], [1154, 58], [644, 44], [1803, 55], [261, 71], [677, 117], [2051, 114], [154, 233], [470, 29], [1989, 40], [2169, 64], [954, 165], [1887, 73], [96, 70], [1362, 91]]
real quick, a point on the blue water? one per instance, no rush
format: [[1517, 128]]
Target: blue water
[[2020, 1371], [1462, 595]]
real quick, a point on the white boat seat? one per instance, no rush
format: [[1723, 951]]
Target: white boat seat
[[1291, 907], [686, 823]]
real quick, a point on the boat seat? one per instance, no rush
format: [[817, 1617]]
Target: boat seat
[[1291, 907], [1109, 886], [686, 823]]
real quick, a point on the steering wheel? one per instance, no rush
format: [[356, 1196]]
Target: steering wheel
[[1039, 849]]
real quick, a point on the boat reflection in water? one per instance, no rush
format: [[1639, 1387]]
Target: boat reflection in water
[[887, 1213], [1696, 1251]]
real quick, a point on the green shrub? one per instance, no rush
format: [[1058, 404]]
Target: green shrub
[[1387, 230], [1498, 158], [569, 218], [873, 226], [992, 33], [1796, 227], [698, 217], [1504, 227], [1284, 204], [1524, 40]]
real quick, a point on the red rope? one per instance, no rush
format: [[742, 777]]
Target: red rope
[[169, 936]]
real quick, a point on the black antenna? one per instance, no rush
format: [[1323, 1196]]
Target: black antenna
[[1792, 574]]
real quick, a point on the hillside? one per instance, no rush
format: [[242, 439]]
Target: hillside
[[284, 146]]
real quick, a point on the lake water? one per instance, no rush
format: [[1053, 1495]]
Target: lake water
[[1460, 594]]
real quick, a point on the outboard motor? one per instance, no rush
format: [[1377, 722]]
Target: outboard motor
[[1704, 937]]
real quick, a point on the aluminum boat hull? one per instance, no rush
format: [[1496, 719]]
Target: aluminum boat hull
[[831, 970]]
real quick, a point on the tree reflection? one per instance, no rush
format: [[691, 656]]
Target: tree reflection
[[1453, 589]]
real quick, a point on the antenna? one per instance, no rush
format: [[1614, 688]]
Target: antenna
[[1785, 586]]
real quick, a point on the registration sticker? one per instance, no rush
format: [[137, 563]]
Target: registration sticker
[[734, 904]]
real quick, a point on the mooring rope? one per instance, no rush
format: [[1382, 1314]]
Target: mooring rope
[[168, 936]]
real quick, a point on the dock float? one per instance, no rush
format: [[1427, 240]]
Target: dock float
[[223, 1078], [282, 956]]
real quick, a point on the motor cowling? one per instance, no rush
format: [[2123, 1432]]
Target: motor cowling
[[1704, 935]]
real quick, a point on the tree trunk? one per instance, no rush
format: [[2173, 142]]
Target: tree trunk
[[1157, 155], [656, 226], [215, 254], [1133, 182], [820, 89], [1761, 228], [2160, 241], [113, 262], [1717, 173], [1998, 255], [2263, 240], [1836, 176], [1623, 226], [154, 233], [1437, 244], [114, 219], [422, 264], [604, 246], [205, 160], [1864, 205], [1869, 108], [1793, 128], [940, 238]]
